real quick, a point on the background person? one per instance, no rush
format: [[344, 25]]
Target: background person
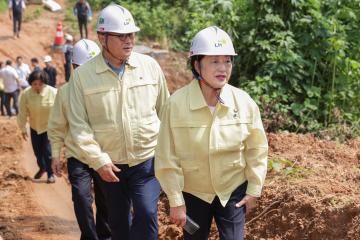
[[81, 175], [68, 53], [35, 64], [35, 104], [50, 70], [16, 11], [23, 71], [2, 95], [11, 85], [83, 12], [211, 157]]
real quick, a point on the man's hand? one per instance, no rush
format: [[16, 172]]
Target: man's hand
[[249, 202], [56, 167], [107, 174], [24, 135], [178, 215]]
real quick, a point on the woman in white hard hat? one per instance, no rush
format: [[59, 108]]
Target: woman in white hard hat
[[81, 175], [211, 157], [35, 104]]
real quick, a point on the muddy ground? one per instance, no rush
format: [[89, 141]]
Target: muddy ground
[[311, 192]]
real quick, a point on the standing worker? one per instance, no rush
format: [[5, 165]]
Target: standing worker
[[68, 53], [81, 175], [11, 85], [35, 104], [211, 157], [83, 13], [16, 10], [50, 70], [2, 95], [115, 99], [23, 71], [35, 64]]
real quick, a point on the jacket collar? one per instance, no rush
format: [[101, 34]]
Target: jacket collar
[[101, 65], [197, 100]]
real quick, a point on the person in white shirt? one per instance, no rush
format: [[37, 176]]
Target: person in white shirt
[[2, 105], [23, 71], [11, 85]]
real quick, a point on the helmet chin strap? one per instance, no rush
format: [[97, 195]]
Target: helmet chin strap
[[106, 47], [217, 90]]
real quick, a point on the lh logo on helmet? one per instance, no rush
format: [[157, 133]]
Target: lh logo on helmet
[[221, 42], [127, 21]]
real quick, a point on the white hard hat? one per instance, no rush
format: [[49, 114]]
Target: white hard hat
[[212, 41], [117, 19], [69, 37], [84, 50], [47, 58]]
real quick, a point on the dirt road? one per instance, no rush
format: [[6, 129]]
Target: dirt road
[[54, 200]]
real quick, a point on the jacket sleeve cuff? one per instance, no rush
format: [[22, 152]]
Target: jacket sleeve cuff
[[253, 190], [176, 200], [101, 161], [55, 152]]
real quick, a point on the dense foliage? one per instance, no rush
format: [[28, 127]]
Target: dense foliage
[[300, 59]]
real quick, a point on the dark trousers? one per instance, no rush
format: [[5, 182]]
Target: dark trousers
[[67, 67], [17, 18], [42, 151], [14, 96], [83, 25], [81, 178], [137, 187], [2, 102], [230, 220]]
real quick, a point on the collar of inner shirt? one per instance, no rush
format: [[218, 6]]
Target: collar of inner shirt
[[119, 70]]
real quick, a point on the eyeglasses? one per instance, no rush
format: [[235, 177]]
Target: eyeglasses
[[123, 37]]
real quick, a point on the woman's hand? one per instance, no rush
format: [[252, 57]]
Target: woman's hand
[[249, 202], [178, 215]]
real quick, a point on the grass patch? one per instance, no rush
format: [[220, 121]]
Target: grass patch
[[287, 168], [3, 6], [70, 21], [33, 14]]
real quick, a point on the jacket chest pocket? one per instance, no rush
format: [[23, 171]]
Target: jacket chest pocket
[[142, 95], [191, 137], [232, 133], [102, 104]]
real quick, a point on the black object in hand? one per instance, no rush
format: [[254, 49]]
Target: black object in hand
[[191, 227]]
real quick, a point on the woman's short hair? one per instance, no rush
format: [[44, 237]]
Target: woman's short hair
[[38, 75]]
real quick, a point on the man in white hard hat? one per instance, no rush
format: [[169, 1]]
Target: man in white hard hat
[[115, 99], [68, 48], [81, 176], [50, 70]]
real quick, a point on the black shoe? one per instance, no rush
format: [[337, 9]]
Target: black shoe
[[51, 179], [39, 174]]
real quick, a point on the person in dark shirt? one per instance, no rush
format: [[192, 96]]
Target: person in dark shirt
[[83, 12], [68, 52], [35, 64], [16, 9], [50, 70]]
